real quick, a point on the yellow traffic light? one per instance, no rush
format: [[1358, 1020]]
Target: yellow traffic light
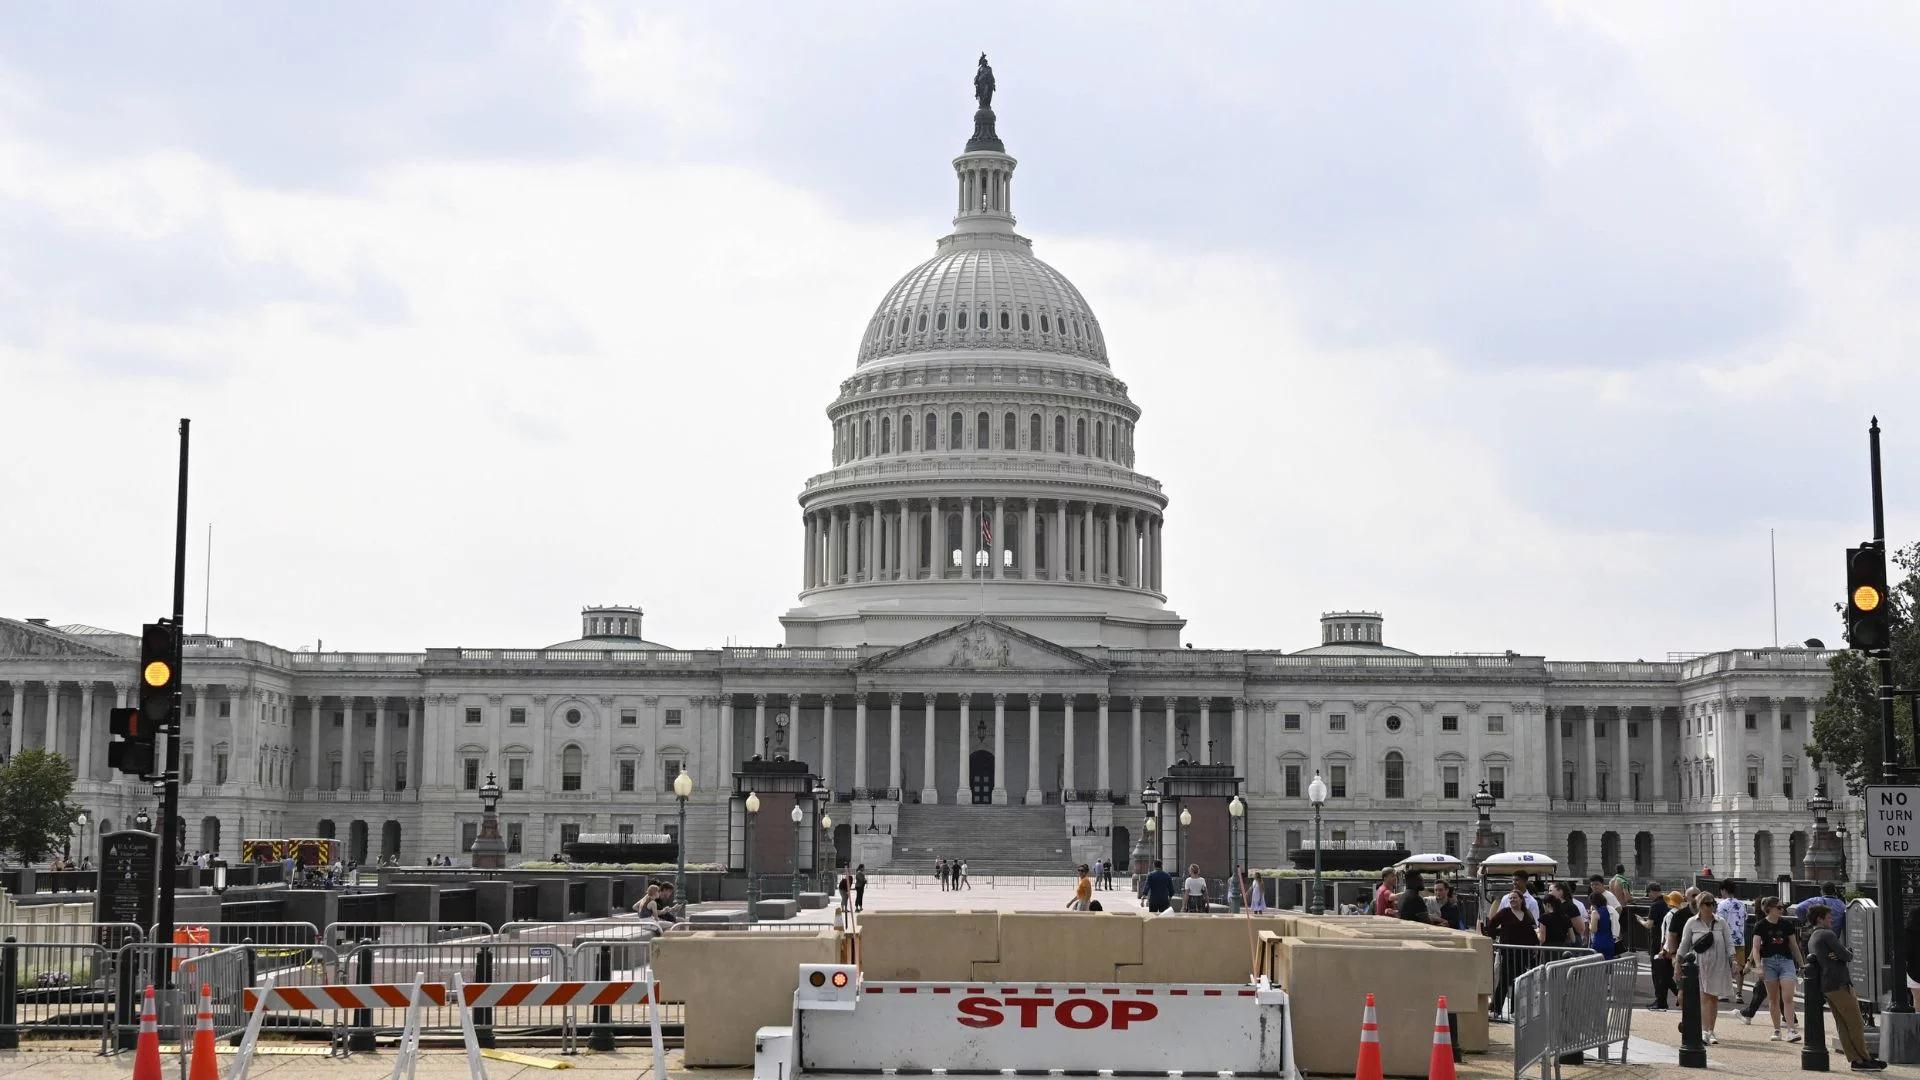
[[1866, 598], [158, 673]]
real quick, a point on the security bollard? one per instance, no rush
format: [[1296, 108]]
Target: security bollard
[[361, 1037], [1813, 1052], [9, 994], [1693, 1051], [602, 1037], [483, 1018]]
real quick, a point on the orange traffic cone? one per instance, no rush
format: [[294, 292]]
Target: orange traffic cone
[[1368, 1067], [205, 1064], [1440, 1062], [146, 1052]]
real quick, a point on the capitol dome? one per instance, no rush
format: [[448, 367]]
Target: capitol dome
[[971, 295]]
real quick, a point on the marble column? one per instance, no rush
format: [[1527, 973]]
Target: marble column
[[833, 546], [999, 537], [1113, 546], [873, 542], [1657, 760], [1593, 759], [349, 767], [202, 746], [860, 742], [1067, 779], [1034, 798], [806, 555], [826, 741], [902, 540], [1139, 780], [1089, 562], [928, 792], [1102, 759], [313, 743], [19, 718], [1776, 768], [1060, 571], [729, 760], [1173, 750], [893, 748], [417, 742], [759, 726], [1029, 553], [963, 782], [50, 735], [1206, 731], [1239, 750], [1000, 749], [1623, 761], [85, 754], [969, 539]]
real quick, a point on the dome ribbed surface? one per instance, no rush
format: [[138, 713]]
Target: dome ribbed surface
[[1027, 305]]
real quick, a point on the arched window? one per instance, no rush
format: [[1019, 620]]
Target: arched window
[[1060, 434], [932, 439], [955, 432], [886, 434], [1010, 437], [940, 321], [1080, 437], [866, 437], [982, 431], [1006, 321], [571, 766], [1396, 769], [1045, 325], [1026, 322], [962, 317], [983, 322], [1099, 440], [1033, 432], [921, 326]]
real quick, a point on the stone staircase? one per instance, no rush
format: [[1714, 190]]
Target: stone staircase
[[990, 839]]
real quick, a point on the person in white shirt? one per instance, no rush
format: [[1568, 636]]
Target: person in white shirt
[[1734, 911], [1196, 888]]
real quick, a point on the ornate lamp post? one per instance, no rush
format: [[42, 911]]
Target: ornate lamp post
[[822, 798], [796, 816], [219, 875], [80, 825], [1823, 858], [489, 850], [1180, 839], [1483, 803], [1317, 795], [753, 889], [826, 836], [1236, 810], [142, 821], [1841, 832], [682, 790]]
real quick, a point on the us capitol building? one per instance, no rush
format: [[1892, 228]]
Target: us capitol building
[[982, 619]]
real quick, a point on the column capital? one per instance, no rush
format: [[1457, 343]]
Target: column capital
[[759, 701], [652, 700], [1102, 698], [894, 698], [1000, 699], [1240, 703]]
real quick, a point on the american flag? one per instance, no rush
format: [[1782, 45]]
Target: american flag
[[986, 531]]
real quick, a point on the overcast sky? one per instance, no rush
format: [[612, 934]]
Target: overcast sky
[[1522, 324]]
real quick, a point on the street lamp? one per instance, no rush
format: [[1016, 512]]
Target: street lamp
[[833, 855], [489, 851], [1317, 795], [142, 821], [1180, 839], [79, 824], [682, 789], [753, 807], [796, 816], [1235, 811], [219, 874], [1841, 832]]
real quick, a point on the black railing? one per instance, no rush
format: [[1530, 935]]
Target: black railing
[[875, 794], [1085, 795]]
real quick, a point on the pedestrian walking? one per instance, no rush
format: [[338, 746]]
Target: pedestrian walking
[[1157, 889], [1196, 888], [1707, 937], [1733, 911], [1775, 952], [1108, 882], [953, 874], [1603, 921], [965, 881], [940, 871], [1574, 909], [1256, 896], [846, 891], [1829, 956], [1512, 924], [1659, 906], [860, 887], [1082, 891]]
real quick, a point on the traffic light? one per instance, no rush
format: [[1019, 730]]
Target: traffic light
[[1869, 627], [132, 749], [159, 672]]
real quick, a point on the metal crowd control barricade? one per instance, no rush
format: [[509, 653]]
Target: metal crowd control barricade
[[1570, 1006], [1510, 962], [619, 956], [55, 988], [342, 935], [470, 961]]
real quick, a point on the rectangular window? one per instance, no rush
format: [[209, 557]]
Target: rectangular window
[[1293, 781], [1786, 783], [1397, 837], [366, 720], [1753, 722], [190, 707], [629, 718], [513, 837], [1396, 777], [516, 716], [1291, 722], [1339, 836], [516, 774], [1497, 781], [672, 830], [626, 774], [400, 774], [1450, 844], [1633, 729], [1753, 782], [670, 767], [1599, 729], [219, 768], [1566, 729], [473, 716], [1336, 721], [1636, 786], [1566, 784], [1496, 724], [339, 719], [569, 780], [1293, 840], [1499, 841], [333, 775], [1449, 723], [470, 774], [1450, 782], [468, 831], [673, 718], [569, 833], [626, 833], [226, 708], [186, 763], [366, 773], [1600, 786], [1337, 777], [1786, 721]]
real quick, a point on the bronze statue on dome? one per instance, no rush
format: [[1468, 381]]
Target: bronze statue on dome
[[983, 83]]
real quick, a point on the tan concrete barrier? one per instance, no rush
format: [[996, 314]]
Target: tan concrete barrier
[[733, 984]]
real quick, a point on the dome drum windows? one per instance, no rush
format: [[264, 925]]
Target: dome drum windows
[[1026, 323], [962, 317], [1006, 321]]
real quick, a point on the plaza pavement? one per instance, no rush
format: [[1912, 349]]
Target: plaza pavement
[[1743, 1051]]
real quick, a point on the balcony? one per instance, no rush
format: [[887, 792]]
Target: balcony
[[1639, 671], [951, 467]]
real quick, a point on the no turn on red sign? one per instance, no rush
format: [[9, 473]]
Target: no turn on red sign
[[1893, 821]]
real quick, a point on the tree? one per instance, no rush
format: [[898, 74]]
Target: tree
[[1846, 733], [35, 817]]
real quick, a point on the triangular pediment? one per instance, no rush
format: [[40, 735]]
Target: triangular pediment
[[18, 639], [981, 644]]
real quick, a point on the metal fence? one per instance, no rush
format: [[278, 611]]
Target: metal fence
[[439, 962], [342, 935], [55, 988], [1569, 1006], [1510, 962]]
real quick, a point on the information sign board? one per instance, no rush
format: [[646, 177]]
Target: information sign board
[[127, 861]]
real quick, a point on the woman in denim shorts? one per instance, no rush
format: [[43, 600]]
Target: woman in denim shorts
[[1774, 947]]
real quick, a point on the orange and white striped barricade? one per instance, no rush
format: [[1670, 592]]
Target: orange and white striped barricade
[[407, 1057], [256, 1016], [844, 1024]]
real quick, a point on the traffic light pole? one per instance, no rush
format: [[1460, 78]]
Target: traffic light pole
[[1892, 904], [170, 768]]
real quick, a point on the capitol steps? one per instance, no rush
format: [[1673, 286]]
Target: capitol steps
[[989, 839]]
